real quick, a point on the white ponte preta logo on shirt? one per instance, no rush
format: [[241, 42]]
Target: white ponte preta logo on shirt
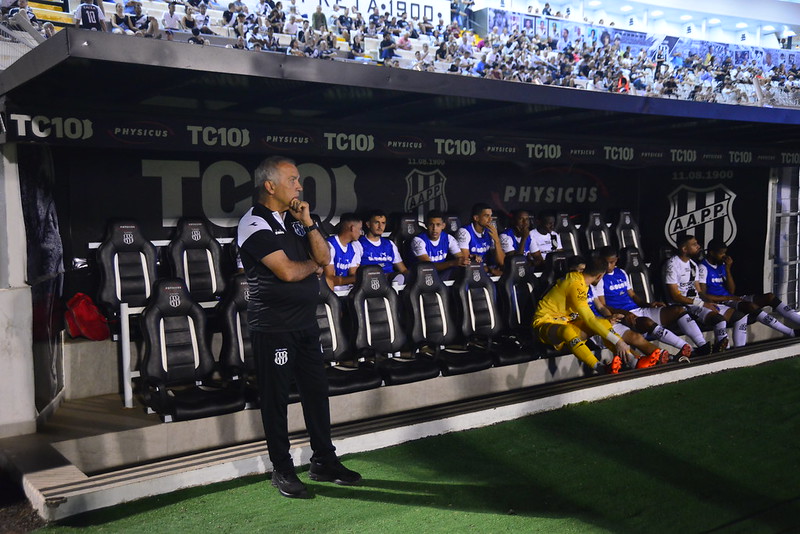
[[281, 356]]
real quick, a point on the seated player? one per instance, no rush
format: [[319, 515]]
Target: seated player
[[377, 250], [437, 246], [717, 286], [680, 279], [544, 239], [563, 317], [651, 355], [480, 242], [516, 239], [614, 291], [345, 253]]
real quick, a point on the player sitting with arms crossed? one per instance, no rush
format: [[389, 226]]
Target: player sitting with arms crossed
[[680, 279], [717, 286], [615, 292], [563, 317], [377, 250], [437, 246], [651, 355]]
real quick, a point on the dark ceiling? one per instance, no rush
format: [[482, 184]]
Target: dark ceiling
[[78, 69]]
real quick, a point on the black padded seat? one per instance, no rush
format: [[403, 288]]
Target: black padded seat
[[127, 263], [196, 256], [236, 357], [555, 267], [476, 307], [631, 261], [178, 366], [568, 234], [407, 228], [627, 232], [597, 233], [379, 333], [431, 323], [346, 374], [517, 303]]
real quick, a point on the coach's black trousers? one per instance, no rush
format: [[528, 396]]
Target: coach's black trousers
[[279, 357]]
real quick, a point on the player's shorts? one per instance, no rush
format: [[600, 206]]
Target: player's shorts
[[654, 314], [701, 312], [541, 329]]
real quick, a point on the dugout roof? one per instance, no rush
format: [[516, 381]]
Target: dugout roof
[[79, 71]]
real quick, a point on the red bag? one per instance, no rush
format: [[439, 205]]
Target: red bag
[[84, 319]]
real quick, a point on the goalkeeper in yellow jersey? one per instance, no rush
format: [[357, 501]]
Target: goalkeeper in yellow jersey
[[564, 317]]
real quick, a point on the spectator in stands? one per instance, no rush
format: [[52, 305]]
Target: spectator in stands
[[23, 7], [480, 241], [345, 22], [345, 253], [143, 24], [277, 18], [333, 19], [120, 21], [257, 38], [283, 253], [241, 28], [196, 38], [294, 48], [90, 17], [554, 324], [48, 29], [516, 239], [403, 42], [229, 16], [291, 27], [318, 21], [615, 292], [547, 11], [682, 286], [718, 287], [544, 238], [188, 22], [378, 250], [324, 51], [171, 20], [387, 47], [202, 20], [356, 47], [304, 31]]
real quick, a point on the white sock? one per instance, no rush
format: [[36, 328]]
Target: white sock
[[691, 329], [766, 319], [740, 332], [666, 336], [788, 313], [720, 331]]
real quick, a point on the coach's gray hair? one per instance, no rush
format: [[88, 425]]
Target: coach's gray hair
[[267, 171]]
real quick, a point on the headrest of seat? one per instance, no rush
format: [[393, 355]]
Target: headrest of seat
[[407, 227], [452, 224], [626, 219], [193, 233], [630, 259], [596, 220], [563, 220], [425, 277], [125, 236], [472, 275], [371, 282], [170, 297], [516, 268]]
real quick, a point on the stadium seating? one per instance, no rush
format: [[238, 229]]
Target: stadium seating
[[515, 291], [555, 267], [630, 261], [346, 373], [476, 305], [177, 368], [432, 327], [236, 355], [196, 257], [127, 263], [407, 226], [627, 233], [379, 334], [596, 232], [568, 234]]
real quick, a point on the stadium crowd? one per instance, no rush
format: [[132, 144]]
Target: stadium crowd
[[517, 54]]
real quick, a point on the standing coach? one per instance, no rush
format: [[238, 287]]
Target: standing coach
[[283, 254]]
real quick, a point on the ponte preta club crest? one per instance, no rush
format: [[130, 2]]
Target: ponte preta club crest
[[425, 191], [706, 213]]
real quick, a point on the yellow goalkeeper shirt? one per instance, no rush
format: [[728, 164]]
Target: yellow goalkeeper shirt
[[567, 301]]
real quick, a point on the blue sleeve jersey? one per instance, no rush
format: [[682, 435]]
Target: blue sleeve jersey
[[713, 276], [614, 287], [384, 253]]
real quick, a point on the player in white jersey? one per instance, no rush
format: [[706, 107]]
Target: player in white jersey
[[682, 287]]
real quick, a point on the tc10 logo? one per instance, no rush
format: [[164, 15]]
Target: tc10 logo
[[58, 127]]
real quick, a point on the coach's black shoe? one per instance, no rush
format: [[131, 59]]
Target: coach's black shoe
[[289, 485], [702, 350], [721, 345], [333, 472]]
